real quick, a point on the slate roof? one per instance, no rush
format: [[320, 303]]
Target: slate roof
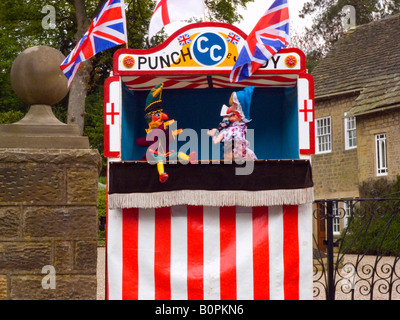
[[366, 59], [381, 93]]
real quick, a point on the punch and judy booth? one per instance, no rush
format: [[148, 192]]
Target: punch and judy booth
[[209, 228]]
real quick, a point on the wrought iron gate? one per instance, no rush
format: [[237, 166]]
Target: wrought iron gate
[[357, 256]]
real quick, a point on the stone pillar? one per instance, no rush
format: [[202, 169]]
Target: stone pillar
[[48, 192]]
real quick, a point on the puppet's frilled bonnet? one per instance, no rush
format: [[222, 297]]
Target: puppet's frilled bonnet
[[243, 102]]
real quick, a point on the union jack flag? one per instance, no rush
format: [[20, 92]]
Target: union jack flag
[[269, 36], [184, 39], [107, 30], [233, 38]]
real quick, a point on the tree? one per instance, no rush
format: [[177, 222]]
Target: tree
[[138, 15], [16, 17], [21, 27], [327, 26], [78, 89]]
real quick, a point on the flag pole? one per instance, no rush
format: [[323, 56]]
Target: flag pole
[[125, 23], [204, 7]]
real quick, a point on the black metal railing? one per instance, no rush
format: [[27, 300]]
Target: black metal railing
[[357, 249]]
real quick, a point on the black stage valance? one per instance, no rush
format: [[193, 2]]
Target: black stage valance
[[270, 182]]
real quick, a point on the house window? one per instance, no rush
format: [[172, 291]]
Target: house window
[[350, 133], [323, 135], [341, 216], [381, 157], [347, 212], [336, 220]]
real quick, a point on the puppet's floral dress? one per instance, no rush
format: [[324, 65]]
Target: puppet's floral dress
[[235, 143]]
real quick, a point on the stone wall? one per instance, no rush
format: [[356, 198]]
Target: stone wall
[[335, 174], [368, 126], [48, 218]]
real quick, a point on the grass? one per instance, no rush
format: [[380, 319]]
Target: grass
[[102, 208]]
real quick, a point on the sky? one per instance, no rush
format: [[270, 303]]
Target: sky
[[257, 8], [254, 12]]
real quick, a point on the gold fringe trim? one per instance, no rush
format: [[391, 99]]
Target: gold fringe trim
[[211, 198]]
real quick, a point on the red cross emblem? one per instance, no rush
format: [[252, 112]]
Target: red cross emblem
[[164, 11], [307, 111], [113, 113]]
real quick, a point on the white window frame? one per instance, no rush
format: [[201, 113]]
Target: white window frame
[[336, 220], [381, 154], [347, 213], [350, 133], [341, 216], [323, 135]]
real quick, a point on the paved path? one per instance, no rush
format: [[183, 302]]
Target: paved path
[[101, 273]]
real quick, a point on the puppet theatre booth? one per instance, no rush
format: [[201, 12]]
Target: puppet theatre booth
[[185, 221]]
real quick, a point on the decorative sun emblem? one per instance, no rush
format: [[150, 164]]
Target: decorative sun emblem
[[128, 62], [291, 61]]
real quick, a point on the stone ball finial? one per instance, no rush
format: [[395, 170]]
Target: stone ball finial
[[36, 76]]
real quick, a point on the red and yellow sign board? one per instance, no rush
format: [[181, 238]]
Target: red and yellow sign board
[[202, 47]]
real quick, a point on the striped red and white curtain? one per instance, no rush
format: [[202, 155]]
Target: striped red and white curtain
[[210, 253]]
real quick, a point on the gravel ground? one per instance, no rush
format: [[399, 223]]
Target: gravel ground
[[385, 279], [357, 281]]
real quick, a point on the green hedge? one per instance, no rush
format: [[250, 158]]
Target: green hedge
[[11, 116], [374, 227], [102, 208]]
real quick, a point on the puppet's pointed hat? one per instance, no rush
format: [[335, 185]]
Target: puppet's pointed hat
[[153, 101]]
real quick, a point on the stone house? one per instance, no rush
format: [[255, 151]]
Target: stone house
[[357, 111]]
